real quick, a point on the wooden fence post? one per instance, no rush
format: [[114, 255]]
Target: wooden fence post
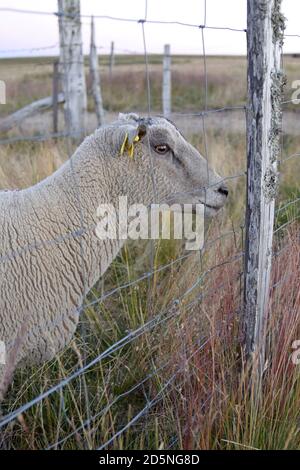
[[111, 61], [166, 88], [2, 92], [72, 66], [16, 118], [265, 83], [95, 76], [55, 86]]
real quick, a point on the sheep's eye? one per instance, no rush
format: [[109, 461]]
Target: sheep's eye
[[162, 149]]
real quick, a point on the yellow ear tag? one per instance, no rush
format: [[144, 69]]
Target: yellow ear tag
[[130, 151], [124, 144], [130, 148]]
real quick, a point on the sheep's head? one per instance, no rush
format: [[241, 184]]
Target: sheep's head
[[181, 173]]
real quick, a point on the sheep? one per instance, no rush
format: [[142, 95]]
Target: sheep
[[43, 275]]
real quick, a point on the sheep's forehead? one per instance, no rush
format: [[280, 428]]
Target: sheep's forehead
[[161, 124], [165, 124], [148, 121], [156, 123], [159, 121]]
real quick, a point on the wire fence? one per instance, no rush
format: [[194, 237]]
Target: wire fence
[[185, 302]]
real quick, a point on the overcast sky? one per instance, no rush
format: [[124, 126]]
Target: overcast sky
[[22, 31]]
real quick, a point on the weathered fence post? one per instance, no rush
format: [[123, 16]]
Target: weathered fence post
[[95, 76], [265, 83], [111, 61], [55, 86], [16, 118], [72, 66], [2, 92], [166, 88]]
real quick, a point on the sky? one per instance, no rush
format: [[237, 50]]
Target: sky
[[24, 34]]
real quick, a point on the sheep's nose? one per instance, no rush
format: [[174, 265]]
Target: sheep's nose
[[223, 190]]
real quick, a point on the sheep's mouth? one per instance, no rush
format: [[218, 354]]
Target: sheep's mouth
[[196, 201], [215, 208], [194, 207], [206, 206]]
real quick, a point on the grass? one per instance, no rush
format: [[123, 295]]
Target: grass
[[28, 79], [209, 402]]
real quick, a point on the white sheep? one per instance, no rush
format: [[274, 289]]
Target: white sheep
[[42, 274]]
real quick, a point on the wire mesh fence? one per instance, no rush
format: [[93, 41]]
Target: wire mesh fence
[[218, 271]]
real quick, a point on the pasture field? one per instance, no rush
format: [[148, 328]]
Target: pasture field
[[191, 392], [29, 79]]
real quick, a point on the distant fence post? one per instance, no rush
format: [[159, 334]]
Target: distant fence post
[[265, 26], [72, 65], [95, 76], [55, 87], [2, 92], [166, 88], [111, 60]]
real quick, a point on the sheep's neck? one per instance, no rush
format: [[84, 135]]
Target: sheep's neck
[[73, 214]]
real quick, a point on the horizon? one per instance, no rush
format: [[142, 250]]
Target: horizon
[[141, 55]]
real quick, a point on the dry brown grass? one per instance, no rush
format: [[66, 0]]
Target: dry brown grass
[[209, 404], [214, 403], [30, 79]]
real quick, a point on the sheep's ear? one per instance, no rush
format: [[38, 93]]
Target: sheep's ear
[[128, 117], [141, 131], [135, 134], [122, 117], [132, 136]]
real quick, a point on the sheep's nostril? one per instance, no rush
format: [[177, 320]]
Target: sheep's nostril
[[223, 190]]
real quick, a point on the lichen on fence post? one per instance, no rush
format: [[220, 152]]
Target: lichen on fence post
[[265, 31]]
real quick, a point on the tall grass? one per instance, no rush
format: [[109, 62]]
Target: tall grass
[[218, 408], [208, 402]]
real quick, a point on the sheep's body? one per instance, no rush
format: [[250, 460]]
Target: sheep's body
[[41, 268], [46, 264]]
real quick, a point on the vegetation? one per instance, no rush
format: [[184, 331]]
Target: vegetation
[[190, 366]]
